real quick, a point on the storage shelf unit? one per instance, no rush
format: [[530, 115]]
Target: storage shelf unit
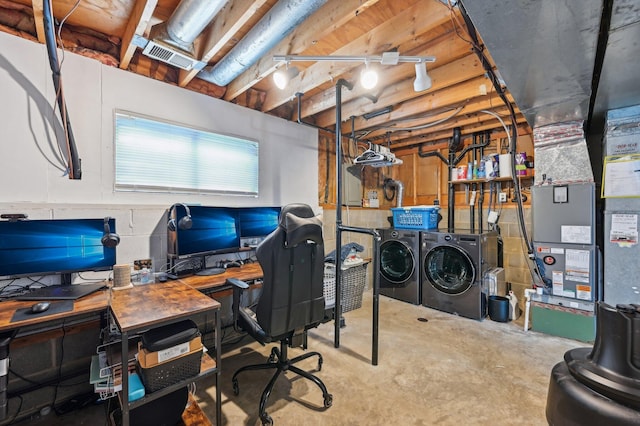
[[144, 307]]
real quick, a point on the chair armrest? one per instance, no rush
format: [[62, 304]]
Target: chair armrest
[[238, 283], [238, 287]]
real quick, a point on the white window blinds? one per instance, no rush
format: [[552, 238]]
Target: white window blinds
[[158, 156]]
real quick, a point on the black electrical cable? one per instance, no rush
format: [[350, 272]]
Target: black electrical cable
[[75, 171], [55, 392], [512, 115], [386, 185], [15, 416]]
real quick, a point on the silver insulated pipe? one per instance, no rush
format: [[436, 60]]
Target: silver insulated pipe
[[283, 17], [190, 18]]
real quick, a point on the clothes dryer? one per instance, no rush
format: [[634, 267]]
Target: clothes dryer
[[399, 271], [452, 266]]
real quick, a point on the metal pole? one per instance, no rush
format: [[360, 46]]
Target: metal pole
[[338, 308], [376, 285]]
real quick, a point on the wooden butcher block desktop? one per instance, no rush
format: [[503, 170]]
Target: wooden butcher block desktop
[[145, 306], [95, 302], [209, 283]]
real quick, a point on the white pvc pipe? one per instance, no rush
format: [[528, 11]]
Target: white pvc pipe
[[527, 294]]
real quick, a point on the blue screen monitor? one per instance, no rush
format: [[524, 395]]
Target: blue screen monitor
[[60, 246], [258, 221], [214, 230]]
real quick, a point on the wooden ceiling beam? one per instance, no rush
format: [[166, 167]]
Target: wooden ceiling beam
[[449, 45], [327, 19], [419, 19], [457, 72], [38, 17], [450, 96], [233, 16], [462, 122], [488, 102], [447, 133], [136, 26]]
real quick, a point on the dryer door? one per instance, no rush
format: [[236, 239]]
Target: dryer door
[[396, 262], [449, 269]]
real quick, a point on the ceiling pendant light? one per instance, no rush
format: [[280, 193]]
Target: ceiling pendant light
[[368, 77], [422, 81], [282, 77]]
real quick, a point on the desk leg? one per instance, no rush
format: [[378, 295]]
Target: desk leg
[[218, 369], [5, 342], [125, 379]]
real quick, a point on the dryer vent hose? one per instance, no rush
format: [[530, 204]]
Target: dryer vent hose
[[394, 184]]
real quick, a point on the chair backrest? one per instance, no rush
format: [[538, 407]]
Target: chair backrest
[[292, 261]]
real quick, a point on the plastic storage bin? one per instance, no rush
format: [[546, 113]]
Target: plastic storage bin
[[353, 283], [417, 217]]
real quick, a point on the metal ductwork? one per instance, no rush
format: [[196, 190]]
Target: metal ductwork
[[283, 17], [172, 41], [545, 51]]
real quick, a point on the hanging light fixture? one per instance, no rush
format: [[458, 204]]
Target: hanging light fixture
[[369, 77], [282, 76], [422, 81]]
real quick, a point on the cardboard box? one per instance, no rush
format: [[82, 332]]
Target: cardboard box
[[148, 359]]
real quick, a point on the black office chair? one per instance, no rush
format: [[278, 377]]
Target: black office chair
[[291, 302]]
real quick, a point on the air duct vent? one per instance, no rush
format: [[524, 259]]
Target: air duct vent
[[156, 49]]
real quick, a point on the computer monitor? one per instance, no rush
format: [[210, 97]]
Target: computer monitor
[[214, 230], [258, 221], [54, 246]]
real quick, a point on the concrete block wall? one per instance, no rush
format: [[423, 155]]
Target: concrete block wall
[[515, 260], [363, 218]]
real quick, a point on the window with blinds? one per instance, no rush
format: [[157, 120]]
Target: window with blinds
[[157, 156]]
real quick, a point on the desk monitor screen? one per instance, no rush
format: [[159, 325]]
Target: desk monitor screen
[[258, 221], [60, 246], [214, 230]]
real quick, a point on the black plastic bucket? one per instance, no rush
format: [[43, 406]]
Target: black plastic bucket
[[499, 308]]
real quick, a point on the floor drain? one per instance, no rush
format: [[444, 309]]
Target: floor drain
[[422, 319]]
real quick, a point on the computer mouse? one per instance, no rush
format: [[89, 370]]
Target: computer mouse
[[232, 265], [40, 307]]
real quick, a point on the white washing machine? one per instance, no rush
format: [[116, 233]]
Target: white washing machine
[[453, 265], [399, 260]]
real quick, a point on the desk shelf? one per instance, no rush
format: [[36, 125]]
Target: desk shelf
[[208, 366]]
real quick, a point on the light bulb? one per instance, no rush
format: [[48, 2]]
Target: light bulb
[[282, 77], [368, 78]]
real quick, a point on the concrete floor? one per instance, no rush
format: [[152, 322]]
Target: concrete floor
[[445, 371]]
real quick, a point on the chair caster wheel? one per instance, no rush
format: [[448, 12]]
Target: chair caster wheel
[[236, 388], [266, 420], [328, 400], [273, 355]]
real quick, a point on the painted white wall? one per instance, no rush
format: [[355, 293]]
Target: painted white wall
[[33, 182]]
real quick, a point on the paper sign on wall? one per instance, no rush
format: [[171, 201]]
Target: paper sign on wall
[[575, 234], [621, 176], [624, 229], [577, 265]]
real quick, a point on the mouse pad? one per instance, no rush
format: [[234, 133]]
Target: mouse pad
[[57, 307]]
